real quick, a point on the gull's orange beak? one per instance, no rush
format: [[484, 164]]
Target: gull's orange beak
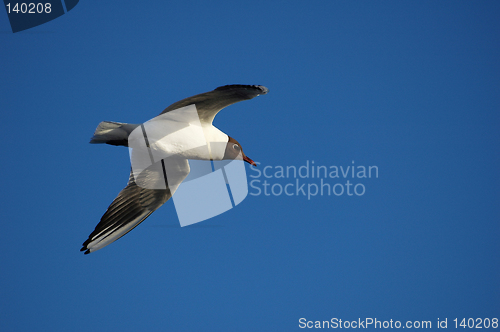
[[250, 161]]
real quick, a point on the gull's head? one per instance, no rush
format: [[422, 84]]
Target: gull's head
[[235, 151]]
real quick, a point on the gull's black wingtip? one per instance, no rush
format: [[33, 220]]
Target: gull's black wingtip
[[85, 248], [262, 90]]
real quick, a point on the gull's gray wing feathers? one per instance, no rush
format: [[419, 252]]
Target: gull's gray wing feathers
[[135, 202], [210, 103]]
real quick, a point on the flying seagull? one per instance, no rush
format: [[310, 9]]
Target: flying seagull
[[139, 199]]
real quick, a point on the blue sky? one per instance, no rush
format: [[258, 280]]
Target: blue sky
[[410, 87]]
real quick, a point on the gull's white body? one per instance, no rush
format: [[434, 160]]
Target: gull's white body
[[204, 142]]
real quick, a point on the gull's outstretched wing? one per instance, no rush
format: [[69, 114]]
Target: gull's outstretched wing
[[136, 202], [210, 103]]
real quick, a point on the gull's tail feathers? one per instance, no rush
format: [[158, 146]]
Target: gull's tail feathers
[[113, 133]]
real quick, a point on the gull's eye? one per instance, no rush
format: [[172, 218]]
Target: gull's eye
[[236, 147]]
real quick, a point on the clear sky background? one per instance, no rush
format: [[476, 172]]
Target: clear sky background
[[410, 87]]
